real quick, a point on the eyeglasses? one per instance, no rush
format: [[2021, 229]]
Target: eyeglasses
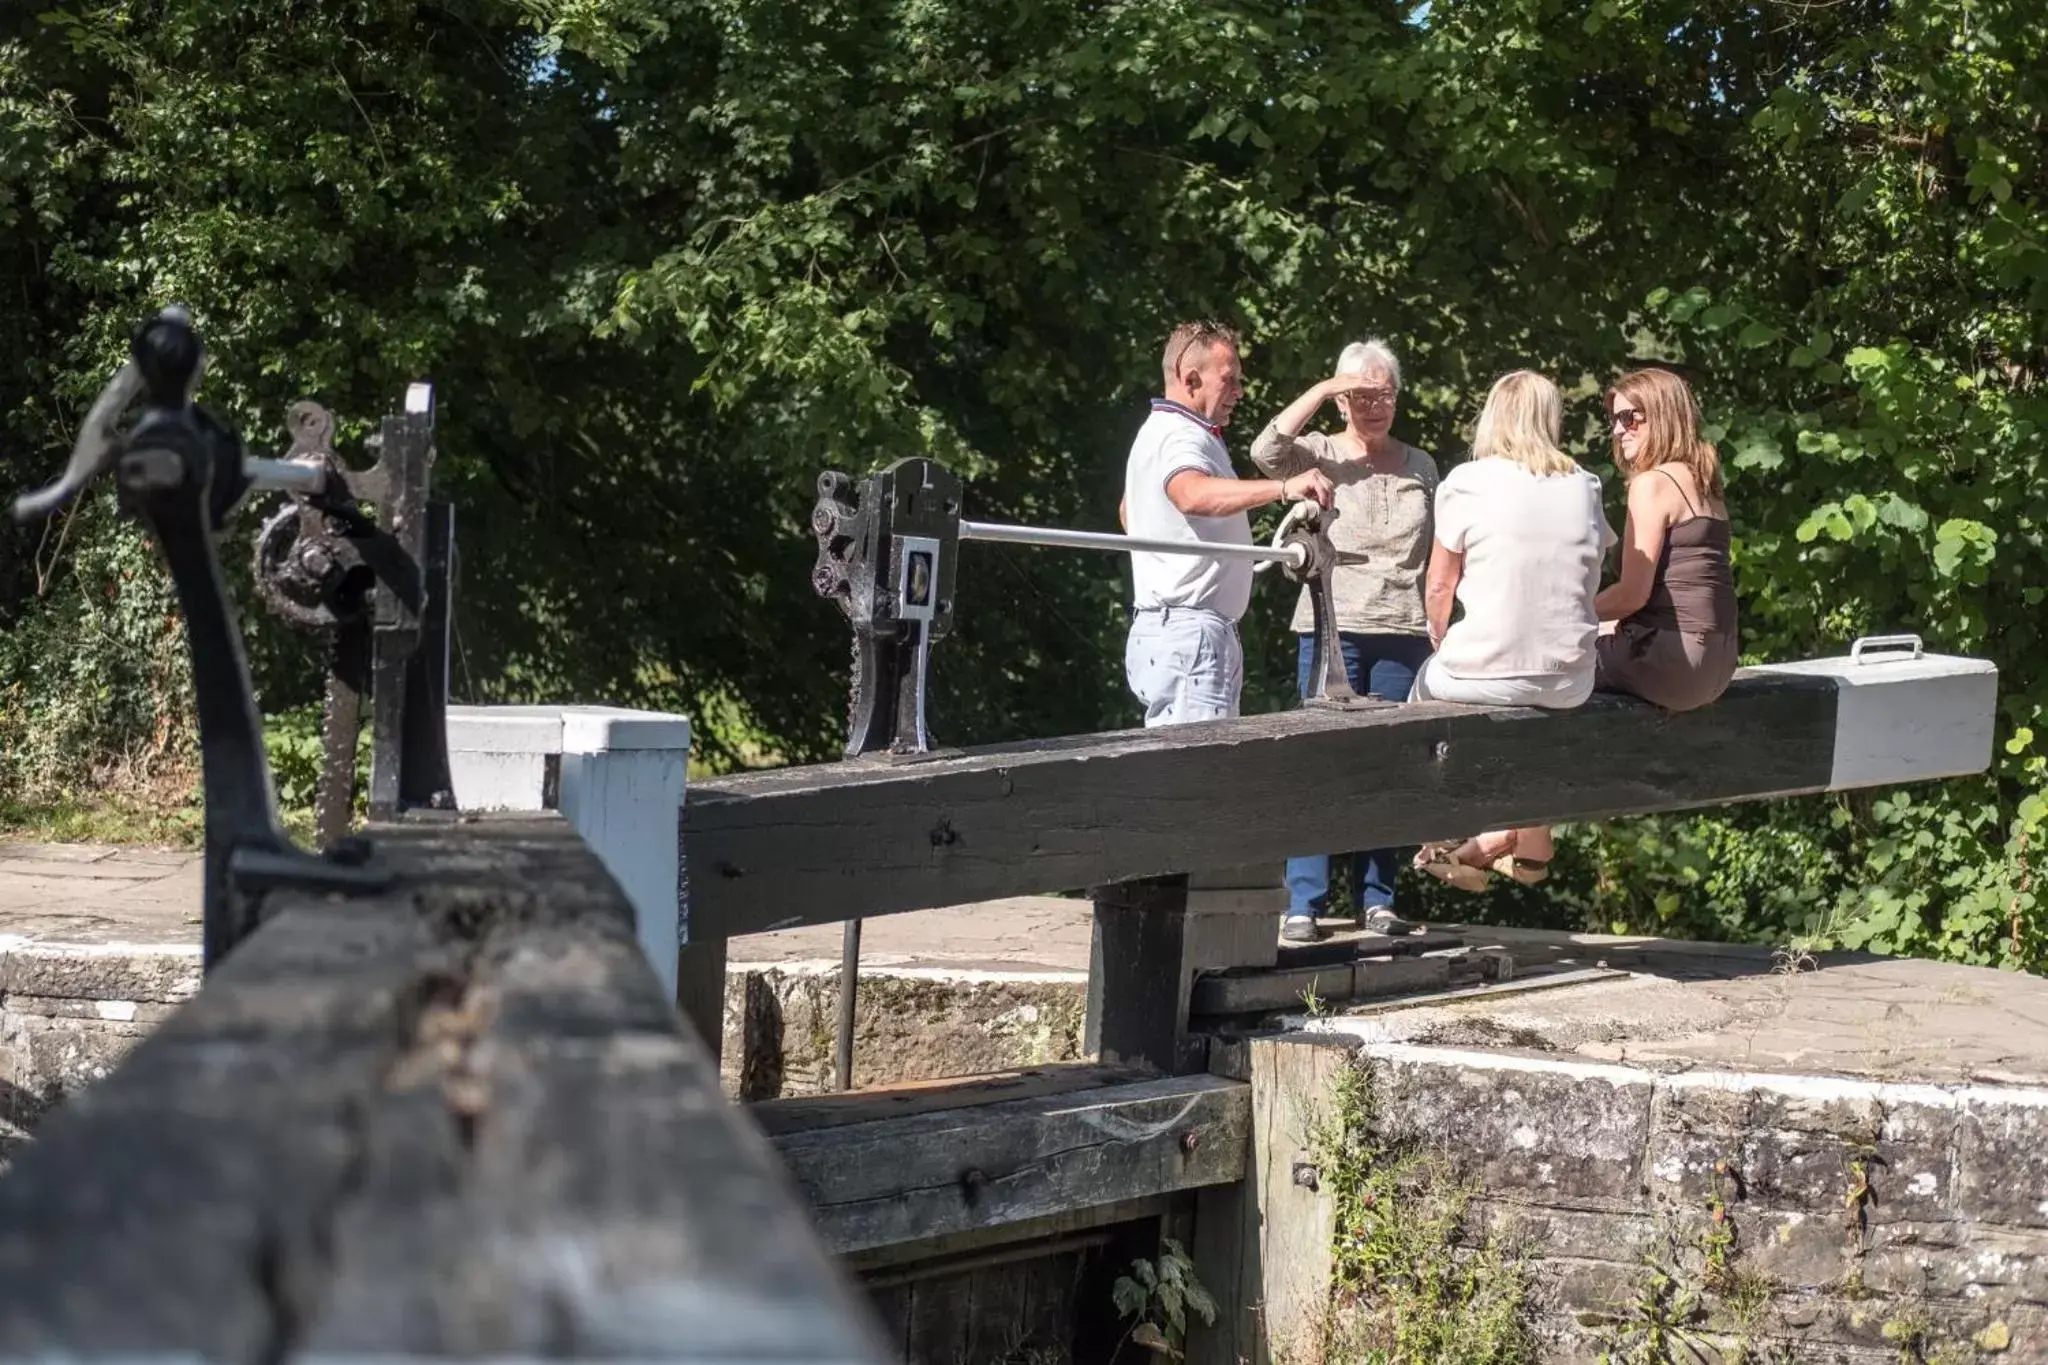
[[1625, 419], [1371, 398]]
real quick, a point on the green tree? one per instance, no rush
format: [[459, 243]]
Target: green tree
[[668, 259]]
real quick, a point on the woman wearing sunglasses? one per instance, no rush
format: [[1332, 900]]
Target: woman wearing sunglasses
[[1674, 643]]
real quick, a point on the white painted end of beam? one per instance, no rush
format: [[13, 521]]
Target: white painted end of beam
[[1907, 719], [505, 729], [622, 777], [612, 729]]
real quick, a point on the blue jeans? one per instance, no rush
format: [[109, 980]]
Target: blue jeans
[[1382, 666]]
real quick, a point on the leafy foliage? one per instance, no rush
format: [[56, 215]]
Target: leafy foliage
[[83, 683], [667, 259], [1157, 1296]]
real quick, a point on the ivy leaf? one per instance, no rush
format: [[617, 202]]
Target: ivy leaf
[[1757, 449], [1757, 334]]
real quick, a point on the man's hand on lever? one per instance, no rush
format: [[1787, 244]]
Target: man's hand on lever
[[1205, 495], [1310, 485]]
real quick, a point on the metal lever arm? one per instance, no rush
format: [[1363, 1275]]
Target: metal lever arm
[[93, 453], [181, 471], [1307, 527]]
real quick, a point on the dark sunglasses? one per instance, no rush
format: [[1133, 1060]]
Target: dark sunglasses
[[1627, 419]]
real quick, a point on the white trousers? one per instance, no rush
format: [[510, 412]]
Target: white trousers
[[1559, 691], [1185, 664]]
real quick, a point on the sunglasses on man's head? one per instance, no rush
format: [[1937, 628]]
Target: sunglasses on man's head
[[1209, 330]]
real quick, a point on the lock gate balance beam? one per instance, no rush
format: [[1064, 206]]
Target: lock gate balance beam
[[881, 835], [457, 1117], [826, 843]]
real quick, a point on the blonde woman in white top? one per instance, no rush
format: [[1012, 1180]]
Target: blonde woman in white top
[[1519, 538]]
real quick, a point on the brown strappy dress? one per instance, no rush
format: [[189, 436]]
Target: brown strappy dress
[[1679, 650]]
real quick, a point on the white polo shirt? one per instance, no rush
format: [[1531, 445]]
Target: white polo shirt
[[1175, 438]]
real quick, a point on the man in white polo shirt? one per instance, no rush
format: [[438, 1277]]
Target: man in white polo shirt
[[1183, 658]]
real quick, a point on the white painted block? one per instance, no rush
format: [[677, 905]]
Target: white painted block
[[1907, 718], [620, 777], [611, 729], [499, 756]]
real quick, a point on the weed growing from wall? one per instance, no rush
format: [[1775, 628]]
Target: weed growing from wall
[[1158, 1296], [1411, 1285]]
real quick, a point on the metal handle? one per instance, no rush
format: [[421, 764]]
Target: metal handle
[[1296, 514], [1883, 642], [98, 442], [1002, 534]]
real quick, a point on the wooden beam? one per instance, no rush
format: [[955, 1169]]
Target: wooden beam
[[821, 844], [814, 1113], [929, 1175], [932, 1252], [458, 1117], [1153, 939], [1141, 966], [1263, 1246], [1290, 988], [817, 845]]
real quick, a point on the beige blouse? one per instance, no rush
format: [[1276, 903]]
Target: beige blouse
[[1386, 517]]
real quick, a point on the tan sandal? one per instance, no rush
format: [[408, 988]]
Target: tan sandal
[[1440, 861], [1523, 871]]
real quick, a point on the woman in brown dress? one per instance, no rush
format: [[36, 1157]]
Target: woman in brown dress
[[1674, 641]]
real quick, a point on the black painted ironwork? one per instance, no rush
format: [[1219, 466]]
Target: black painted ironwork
[[886, 554], [896, 535], [182, 472], [379, 590], [1308, 527]]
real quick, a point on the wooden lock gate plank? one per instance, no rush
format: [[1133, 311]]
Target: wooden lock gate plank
[[811, 1113], [822, 844], [925, 1176], [457, 1117]]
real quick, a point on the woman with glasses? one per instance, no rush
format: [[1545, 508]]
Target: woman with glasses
[[1384, 489], [1675, 641], [1519, 538]]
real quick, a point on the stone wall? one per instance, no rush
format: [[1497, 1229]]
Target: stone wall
[[68, 1013], [910, 1024], [1870, 1220]]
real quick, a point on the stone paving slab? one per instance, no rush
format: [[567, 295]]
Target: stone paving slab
[[97, 895], [1024, 934], [93, 894], [1740, 1008], [1724, 1006]]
